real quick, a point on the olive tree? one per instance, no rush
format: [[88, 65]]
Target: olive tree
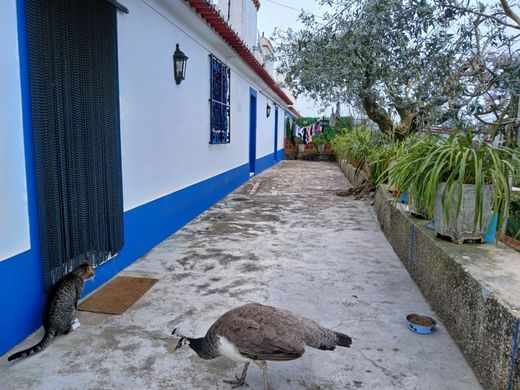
[[488, 80], [405, 59]]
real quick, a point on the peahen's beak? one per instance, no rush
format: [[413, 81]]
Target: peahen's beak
[[179, 343]]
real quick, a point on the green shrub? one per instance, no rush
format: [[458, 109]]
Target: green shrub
[[305, 121], [513, 222], [319, 139], [456, 161], [359, 146]]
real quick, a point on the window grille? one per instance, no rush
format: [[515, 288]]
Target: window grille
[[219, 102]]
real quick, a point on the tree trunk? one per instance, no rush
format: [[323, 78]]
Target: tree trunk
[[407, 125], [376, 113]]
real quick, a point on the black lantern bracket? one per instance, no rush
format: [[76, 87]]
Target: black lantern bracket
[[179, 65]]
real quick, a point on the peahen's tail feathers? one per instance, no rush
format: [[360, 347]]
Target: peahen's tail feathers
[[343, 340]]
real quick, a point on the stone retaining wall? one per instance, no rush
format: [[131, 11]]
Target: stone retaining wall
[[355, 176], [474, 289], [462, 284]]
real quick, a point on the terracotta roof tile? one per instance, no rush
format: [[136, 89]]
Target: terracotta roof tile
[[215, 20]]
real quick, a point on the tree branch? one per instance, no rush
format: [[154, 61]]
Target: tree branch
[[498, 20], [509, 12]]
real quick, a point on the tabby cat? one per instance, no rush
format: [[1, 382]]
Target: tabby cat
[[59, 313]]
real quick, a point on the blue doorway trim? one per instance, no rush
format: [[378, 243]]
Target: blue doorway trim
[[252, 130], [275, 132], [34, 227], [21, 282]]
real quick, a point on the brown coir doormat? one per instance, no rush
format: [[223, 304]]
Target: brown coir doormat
[[117, 295]]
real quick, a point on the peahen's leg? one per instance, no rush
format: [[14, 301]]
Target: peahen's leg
[[263, 366], [240, 381]]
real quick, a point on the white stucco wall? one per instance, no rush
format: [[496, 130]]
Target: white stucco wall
[[241, 15], [265, 127], [249, 23], [14, 217], [233, 14], [164, 126], [281, 127]]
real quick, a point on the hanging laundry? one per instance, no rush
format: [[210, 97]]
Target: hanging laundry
[[305, 135]]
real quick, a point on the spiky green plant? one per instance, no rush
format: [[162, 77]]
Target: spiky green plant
[[456, 161], [387, 151], [513, 222], [357, 146], [380, 158]]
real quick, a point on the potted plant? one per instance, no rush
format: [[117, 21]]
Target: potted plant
[[401, 170], [383, 158], [319, 141], [458, 182], [299, 143]]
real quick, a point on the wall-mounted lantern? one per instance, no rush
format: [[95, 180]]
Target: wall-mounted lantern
[[179, 65], [267, 110]]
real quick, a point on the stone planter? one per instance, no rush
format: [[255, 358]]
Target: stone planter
[[416, 209], [462, 227]]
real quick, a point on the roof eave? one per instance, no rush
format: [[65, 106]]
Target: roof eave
[[214, 19]]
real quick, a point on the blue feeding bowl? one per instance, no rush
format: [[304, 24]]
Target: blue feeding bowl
[[421, 324]]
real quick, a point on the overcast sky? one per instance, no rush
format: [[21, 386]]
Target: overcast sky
[[283, 14]]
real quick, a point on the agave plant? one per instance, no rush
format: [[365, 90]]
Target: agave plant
[[456, 161]]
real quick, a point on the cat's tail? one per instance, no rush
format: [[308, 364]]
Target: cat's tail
[[47, 338]]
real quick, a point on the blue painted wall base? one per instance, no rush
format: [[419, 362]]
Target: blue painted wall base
[[265, 162], [21, 287], [21, 284]]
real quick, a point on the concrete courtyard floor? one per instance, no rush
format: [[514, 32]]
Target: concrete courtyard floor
[[285, 239]]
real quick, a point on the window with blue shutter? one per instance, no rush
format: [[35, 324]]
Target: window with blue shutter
[[219, 102]]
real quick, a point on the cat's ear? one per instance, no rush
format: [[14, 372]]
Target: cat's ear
[[86, 261]]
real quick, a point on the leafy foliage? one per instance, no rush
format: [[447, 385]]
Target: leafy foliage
[[355, 146], [362, 148], [305, 121], [405, 58], [456, 161], [344, 122], [319, 139], [513, 222]]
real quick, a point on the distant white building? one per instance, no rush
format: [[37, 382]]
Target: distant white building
[[105, 150]]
